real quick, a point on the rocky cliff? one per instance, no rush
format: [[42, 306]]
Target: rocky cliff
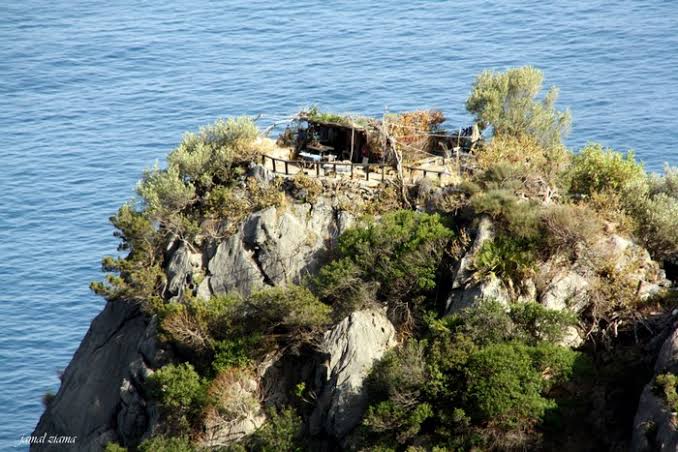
[[102, 398]]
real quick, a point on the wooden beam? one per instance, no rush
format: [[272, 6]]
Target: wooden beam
[[352, 145]]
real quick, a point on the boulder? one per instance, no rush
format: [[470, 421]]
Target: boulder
[[467, 289], [232, 268], [351, 348], [274, 246], [289, 244], [260, 173], [181, 269], [567, 290]]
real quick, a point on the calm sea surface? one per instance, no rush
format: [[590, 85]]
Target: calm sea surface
[[91, 93]]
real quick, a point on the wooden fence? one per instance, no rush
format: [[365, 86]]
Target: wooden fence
[[282, 166]]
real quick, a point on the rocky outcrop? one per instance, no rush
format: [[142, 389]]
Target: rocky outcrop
[[351, 347], [101, 396], [274, 246], [655, 423], [467, 288], [183, 269]]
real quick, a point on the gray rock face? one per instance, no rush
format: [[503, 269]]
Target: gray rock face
[[567, 290], [654, 426], [274, 246], [181, 269], [351, 347], [99, 399], [232, 268], [466, 289]]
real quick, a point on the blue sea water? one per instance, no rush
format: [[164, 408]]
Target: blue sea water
[[91, 93]]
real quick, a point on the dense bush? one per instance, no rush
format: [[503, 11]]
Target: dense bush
[[231, 330], [181, 393], [666, 384], [281, 432], [595, 169], [481, 378], [491, 322], [518, 217], [509, 259], [508, 102], [656, 214], [114, 447], [540, 168], [398, 257], [167, 444]]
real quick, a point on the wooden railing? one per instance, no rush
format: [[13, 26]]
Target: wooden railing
[[282, 166]]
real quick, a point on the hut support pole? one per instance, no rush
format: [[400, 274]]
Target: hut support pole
[[352, 144]]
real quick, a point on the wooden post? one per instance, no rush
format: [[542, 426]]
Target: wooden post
[[351, 169], [334, 166], [286, 170], [317, 169], [263, 159], [367, 172], [273, 160], [352, 145]]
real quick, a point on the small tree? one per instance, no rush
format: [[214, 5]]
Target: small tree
[[508, 102]]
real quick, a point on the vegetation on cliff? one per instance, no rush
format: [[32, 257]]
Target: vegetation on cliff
[[495, 376]]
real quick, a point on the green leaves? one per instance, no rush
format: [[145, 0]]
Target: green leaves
[[507, 102], [595, 169], [181, 393]]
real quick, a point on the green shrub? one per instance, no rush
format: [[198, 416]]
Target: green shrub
[[517, 217], [281, 432], [164, 192], [536, 323], [491, 322], [167, 444], [505, 385], [340, 284], [225, 203], [395, 384], [527, 158], [666, 384], [482, 377], [508, 102], [595, 169], [196, 324], [236, 352], [181, 394], [509, 259], [657, 217], [114, 447], [139, 276], [401, 253], [291, 312], [208, 157]]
